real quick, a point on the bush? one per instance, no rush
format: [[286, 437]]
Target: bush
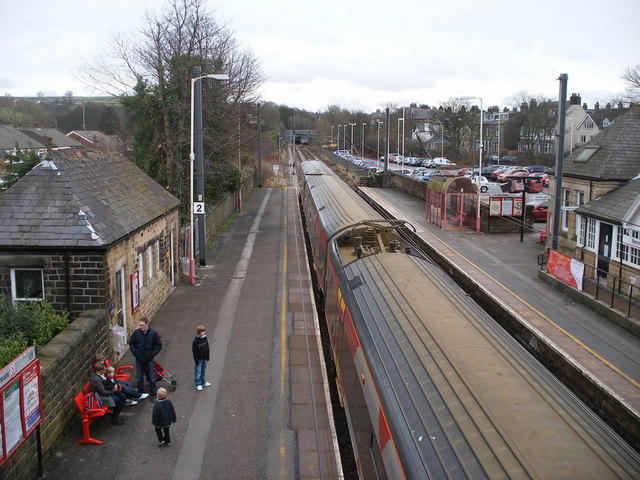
[[26, 324]]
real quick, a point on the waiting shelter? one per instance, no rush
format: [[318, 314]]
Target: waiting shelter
[[452, 203]]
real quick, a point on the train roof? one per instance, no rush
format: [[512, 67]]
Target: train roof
[[338, 205], [461, 397]]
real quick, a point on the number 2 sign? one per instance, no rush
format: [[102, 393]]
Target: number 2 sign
[[198, 207]]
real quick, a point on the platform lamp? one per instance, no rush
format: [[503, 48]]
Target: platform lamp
[[196, 117], [362, 149], [480, 155]]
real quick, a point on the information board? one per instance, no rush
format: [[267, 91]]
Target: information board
[[20, 402]]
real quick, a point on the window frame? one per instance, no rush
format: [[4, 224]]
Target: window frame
[[14, 292]]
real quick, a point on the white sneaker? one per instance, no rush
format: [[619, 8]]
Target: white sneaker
[[143, 396], [206, 384], [131, 402], [199, 387]]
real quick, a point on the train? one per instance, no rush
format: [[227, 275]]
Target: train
[[431, 385]]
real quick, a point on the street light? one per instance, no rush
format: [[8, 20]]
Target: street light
[[378, 151], [362, 150], [480, 155], [192, 157], [401, 119], [331, 141], [352, 125], [344, 135]]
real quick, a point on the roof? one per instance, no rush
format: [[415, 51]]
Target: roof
[[98, 139], [614, 154], [10, 136], [615, 206], [80, 199], [58, 139]]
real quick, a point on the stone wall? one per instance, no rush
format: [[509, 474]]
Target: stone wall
[[64, 368]]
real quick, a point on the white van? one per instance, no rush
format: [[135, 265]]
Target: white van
[[442, 162]]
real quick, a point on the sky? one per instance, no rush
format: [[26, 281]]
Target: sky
[[361, 55]]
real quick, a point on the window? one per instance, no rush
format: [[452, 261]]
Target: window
[[583, 138], [150, 262], [141, 269], [588, 124], [565, 212], [591, 234], [629, 254], [158, 255], [27, 284], [580, 200]]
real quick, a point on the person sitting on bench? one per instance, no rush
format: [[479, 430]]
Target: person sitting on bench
[[114, 402]]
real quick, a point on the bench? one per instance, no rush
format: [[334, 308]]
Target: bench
[[120, 372], [87, 416], [543, 236]]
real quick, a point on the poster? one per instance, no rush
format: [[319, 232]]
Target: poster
[[31, 397], [11, 415], [566, 269]]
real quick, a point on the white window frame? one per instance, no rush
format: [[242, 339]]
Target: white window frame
[[158, 256], [591, 232], [565, 212], [141, 269], [150, 262], [14, 289]]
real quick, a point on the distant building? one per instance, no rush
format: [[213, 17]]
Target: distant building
[[59, 141], [95, 140]]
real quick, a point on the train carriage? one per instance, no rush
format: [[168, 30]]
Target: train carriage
[[432, 386]]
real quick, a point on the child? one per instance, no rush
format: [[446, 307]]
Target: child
[[121, 388], [200, 350], [163, 416]]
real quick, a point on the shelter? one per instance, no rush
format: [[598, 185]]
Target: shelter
[[452, 203]]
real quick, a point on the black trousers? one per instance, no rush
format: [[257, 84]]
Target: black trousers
[[163, 434]]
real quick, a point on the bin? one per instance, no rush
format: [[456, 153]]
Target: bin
[[118, 340]]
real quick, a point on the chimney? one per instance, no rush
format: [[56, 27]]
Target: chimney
[[597, 105], [575, 99]]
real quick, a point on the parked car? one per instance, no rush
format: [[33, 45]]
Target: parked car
[[508, 160], [537, 168], [492, 159], [402, 171], [493, 176], [465, 171], [419, 171], [437, 173], [512, 172], [390, 155], [540, 210], [480, 182], [441, 161], [543, 177]]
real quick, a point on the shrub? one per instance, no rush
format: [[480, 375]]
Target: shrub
[[25, 324]]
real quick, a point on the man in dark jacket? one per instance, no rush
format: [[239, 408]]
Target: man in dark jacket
[[145, 344]]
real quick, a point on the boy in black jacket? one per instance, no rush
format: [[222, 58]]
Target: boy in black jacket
[[200, 350], [162, 417]]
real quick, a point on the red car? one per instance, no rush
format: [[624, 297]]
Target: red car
[[540, 212]]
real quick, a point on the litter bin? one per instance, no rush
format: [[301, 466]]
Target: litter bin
[[118, 340]]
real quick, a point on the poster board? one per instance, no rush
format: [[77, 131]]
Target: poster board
[[506, 205], [20, 402], [566, 269]]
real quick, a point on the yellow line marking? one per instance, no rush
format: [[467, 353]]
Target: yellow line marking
[[283, 342]]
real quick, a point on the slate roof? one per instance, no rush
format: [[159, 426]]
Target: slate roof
[[9, 136], [615, 205], [617, 152], [97, 139], [58, 139], [80, 199]]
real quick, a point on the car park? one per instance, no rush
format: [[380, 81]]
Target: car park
[[466, 171], [512, 172]]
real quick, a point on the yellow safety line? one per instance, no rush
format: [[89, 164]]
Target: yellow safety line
[[572, 337], [283, 342]]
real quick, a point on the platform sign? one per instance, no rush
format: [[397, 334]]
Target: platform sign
[[198, 208], [20, 402]]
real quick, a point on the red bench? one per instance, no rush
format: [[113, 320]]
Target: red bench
[[87, 416], [120, 372]]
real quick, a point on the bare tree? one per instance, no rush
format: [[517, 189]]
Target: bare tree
[[152, 70], [632, 77]]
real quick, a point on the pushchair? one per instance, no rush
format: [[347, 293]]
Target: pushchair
[[162, 375]]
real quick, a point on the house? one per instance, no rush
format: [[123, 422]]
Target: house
[[600, 199], [95, 140], [89, 230], [59, 141], [12, 139]]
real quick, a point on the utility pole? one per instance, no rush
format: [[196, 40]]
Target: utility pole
[[385, 176], [557, 204], [259, 147]]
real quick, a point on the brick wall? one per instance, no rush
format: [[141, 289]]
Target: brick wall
[[64, 367]]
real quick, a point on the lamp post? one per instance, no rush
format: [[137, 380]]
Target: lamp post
[[196, 117], [331, 141], [338, 138], [362, 150], [344, 135], [352, 125], [378, 151], [480, 154], [401, 119]]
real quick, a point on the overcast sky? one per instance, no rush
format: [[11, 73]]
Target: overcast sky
[[358, 54]]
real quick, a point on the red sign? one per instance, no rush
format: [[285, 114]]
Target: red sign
[[20, 402], [566, 269]]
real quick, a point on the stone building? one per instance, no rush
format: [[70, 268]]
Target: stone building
[[599, 220], [89, 230]]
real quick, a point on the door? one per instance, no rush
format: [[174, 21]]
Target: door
[[604, 249], [120, 298]]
